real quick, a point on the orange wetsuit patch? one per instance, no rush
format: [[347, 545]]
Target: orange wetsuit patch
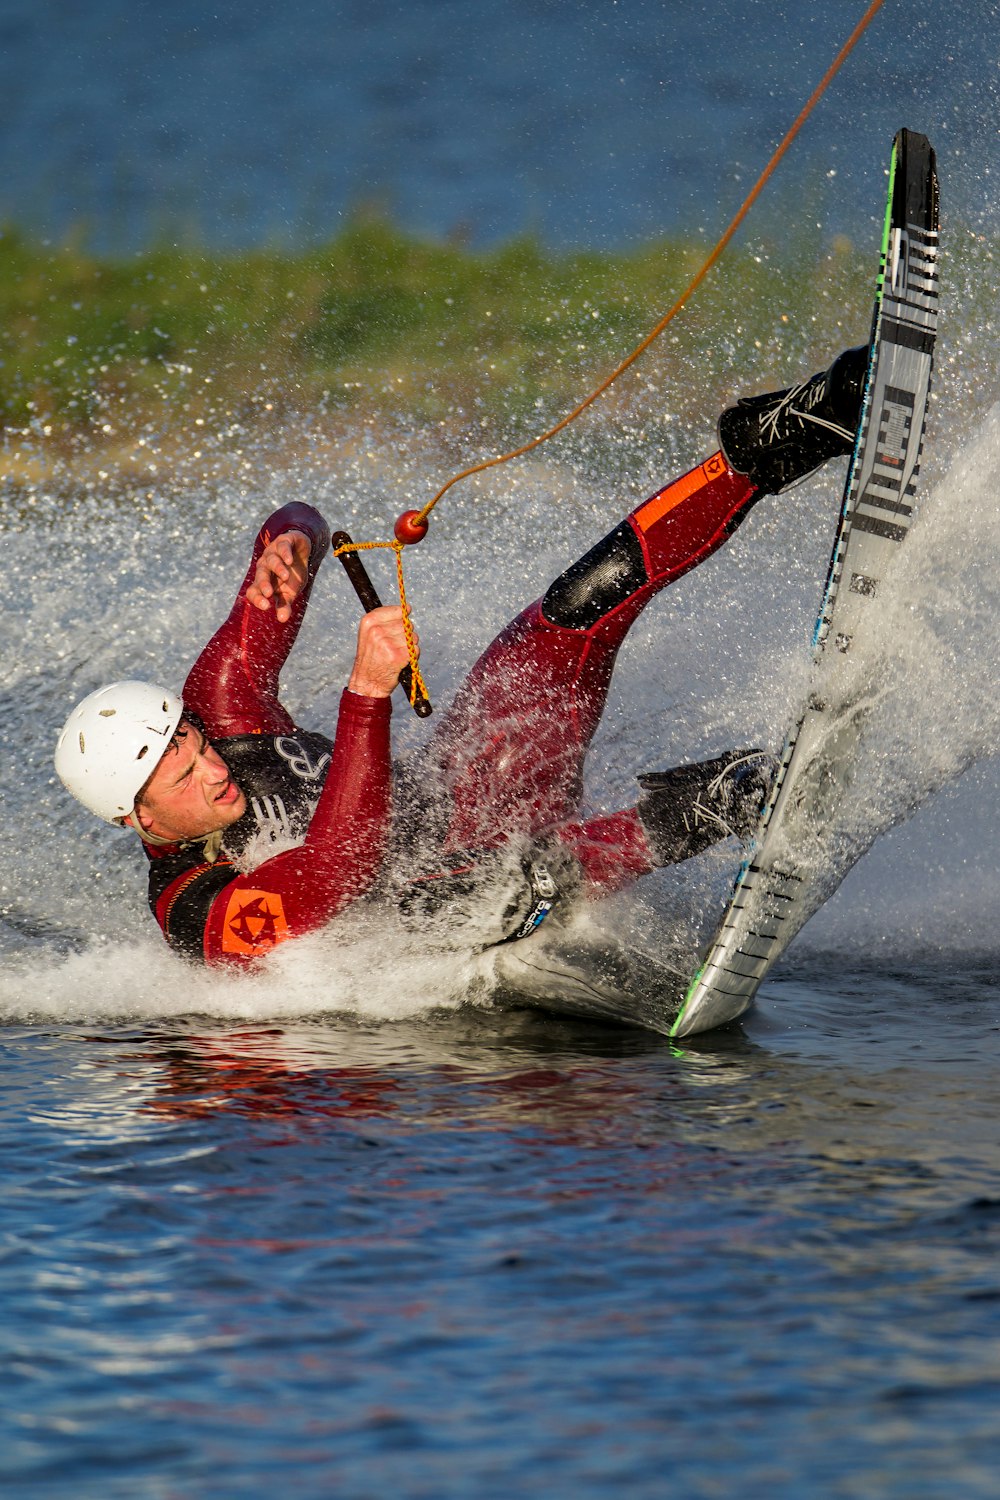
[[682, 489], [254, 922]]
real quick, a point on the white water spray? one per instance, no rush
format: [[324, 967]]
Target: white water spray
[[100, 589]]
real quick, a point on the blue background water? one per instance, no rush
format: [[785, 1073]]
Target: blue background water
[[589, 121], [345, 1228]]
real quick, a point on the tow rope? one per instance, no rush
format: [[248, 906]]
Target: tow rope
[[411, 527]]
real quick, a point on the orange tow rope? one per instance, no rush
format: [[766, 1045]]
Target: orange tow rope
[[411, 527], [414, 523]]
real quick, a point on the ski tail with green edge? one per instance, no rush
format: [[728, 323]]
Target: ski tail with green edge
[[781, 882]]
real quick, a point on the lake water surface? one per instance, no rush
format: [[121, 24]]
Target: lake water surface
[[486, 1255], [591, 122]]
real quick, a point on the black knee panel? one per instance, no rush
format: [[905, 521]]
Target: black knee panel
[[598, 583]]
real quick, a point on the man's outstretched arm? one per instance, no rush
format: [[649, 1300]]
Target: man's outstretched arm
[[233, 686]]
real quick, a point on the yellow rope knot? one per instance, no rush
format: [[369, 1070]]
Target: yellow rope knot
[[417, 684]]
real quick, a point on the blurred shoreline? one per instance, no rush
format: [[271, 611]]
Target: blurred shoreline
[[113, 365], [186, 368]]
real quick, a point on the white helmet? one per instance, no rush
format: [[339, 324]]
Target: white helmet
[[112, 743]]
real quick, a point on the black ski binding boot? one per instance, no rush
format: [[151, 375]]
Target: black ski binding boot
[[780, 438], [688, 809]]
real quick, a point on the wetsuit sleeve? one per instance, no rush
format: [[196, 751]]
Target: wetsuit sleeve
[[301, 889], [233, 686]]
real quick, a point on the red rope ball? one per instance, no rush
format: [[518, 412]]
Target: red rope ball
[[409, 530]]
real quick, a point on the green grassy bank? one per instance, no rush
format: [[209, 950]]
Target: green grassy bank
[[95, 350]]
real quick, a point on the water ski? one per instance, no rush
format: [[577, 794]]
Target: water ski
[[781, 883]]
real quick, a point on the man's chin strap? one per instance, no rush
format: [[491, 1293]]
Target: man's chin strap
[[211, 845], [211, 842]]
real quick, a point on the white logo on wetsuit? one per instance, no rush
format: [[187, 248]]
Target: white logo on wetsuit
[[273, 822], [275, 832], [297, 758]]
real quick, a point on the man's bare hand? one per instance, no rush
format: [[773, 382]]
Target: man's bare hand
[[382, 652], [281, 575]]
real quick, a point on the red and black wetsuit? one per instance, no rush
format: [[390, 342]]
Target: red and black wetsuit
[[505, 761], [297, 784]]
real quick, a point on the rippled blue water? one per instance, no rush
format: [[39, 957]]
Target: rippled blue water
[[591, 121], [493, 1255]]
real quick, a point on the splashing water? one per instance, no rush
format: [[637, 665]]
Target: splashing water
[[99, 590]]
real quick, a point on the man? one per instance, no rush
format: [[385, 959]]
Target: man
[[258, 831]]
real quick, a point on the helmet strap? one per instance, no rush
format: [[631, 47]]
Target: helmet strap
[[154, 839], [211, 842]]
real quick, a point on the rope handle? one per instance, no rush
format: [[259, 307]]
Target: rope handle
[[347, 551]]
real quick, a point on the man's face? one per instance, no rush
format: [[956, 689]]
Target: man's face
[[191, 792]]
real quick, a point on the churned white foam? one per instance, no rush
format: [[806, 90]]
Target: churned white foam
[[329, 973], [937, 716]]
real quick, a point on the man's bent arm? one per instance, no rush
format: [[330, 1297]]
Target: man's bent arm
[[233, 686]]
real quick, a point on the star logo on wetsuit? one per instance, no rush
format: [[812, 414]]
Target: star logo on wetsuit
[[254, 911], [254, 922]]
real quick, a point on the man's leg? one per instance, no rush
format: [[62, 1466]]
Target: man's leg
[[509, 754], [510, 750]]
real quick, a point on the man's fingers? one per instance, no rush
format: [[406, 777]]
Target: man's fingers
[[279, 577], [274, 565], [281, 559]]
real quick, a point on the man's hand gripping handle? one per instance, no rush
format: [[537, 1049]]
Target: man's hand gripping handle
[[368, 595]]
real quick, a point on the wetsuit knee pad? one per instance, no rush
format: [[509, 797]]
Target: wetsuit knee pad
[[609, 574]]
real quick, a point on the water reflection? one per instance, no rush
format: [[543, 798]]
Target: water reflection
[[349, 1238]]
